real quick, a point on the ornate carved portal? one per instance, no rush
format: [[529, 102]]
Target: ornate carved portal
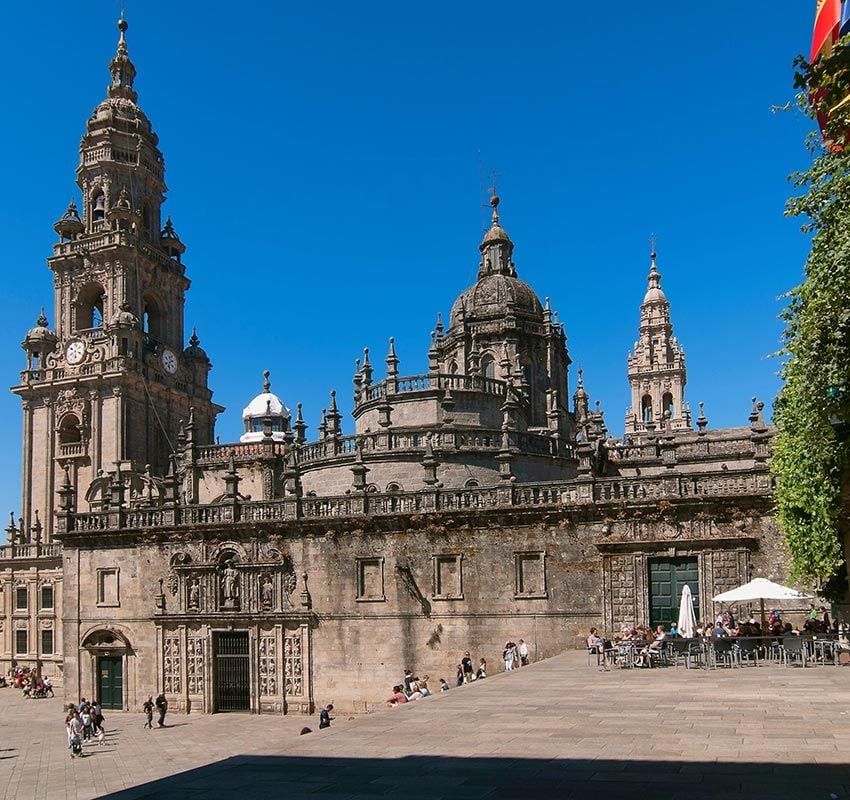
[[278, 665]]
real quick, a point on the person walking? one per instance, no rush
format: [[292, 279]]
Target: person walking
[[468, 670], [161, 707], [523, 653], [325, 716], [147, 707], [510, 656]]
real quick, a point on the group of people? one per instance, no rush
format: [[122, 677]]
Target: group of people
[[725, 626], [411, 688], [29, 681], [515, 655], [161, 705], [83, 722]]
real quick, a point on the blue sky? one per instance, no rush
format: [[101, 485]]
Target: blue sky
[[324, 164]]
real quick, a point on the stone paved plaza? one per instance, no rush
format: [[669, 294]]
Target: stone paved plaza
[[556, 729]]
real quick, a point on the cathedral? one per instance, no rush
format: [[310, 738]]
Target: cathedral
[[482, 501]]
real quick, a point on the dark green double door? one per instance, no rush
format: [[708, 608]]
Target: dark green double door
[[110, 682], [667, 578]]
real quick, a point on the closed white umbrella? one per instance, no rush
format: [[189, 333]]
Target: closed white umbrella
[[687, 617]]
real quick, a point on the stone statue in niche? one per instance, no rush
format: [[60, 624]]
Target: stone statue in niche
[[230, 586], [267, 593], [194, 594]]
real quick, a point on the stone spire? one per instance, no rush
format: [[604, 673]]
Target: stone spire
[[121, 69], [656, 367]]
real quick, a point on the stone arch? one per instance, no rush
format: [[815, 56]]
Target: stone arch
[[90, 304], [106, 637], [453, 368], [646, 408], [667, 404], [394, 486], [153, 315], [97, 204], [471, 483], [70, 429], [488, 365], [227, 551]]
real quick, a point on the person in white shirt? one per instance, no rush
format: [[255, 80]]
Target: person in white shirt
[[523, 653]]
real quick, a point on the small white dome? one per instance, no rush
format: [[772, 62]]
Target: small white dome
[[265, 405]]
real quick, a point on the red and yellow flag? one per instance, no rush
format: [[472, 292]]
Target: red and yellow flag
[[825, 33]]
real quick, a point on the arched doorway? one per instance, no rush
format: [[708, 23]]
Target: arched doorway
[[107, 651]]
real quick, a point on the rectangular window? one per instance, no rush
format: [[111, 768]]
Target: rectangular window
[[47, 597], [530, 576], [21, 642], [107, 587], [448, 577], [21, 598], [370, 580], [47, 641]]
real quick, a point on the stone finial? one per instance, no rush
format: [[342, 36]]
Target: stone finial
[[306, 600], [267, 386], [194, 341], [433, 354], [121, 69], [300, 426], [367, 368], [392, 359], [11, 530], [702, 421], [429, 463], [754, 413], [439, 327]]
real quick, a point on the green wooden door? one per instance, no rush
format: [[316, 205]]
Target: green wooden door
[[110, 670], [667, 578]]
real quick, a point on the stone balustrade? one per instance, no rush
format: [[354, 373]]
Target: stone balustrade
[[29, 551], [432, 383], [583, 491]]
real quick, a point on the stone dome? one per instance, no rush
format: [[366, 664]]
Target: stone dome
[[262, 406], [194, 350], [654, 295], [490, 295], [40, 337], [124, 317]]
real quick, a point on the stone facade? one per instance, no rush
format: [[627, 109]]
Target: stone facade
[[472, 504]]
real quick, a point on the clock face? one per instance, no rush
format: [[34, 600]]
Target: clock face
[[74, 351], [169, 362]]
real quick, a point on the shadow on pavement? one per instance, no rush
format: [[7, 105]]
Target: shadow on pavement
[[299, 777]]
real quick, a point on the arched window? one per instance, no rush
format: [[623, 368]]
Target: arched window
[[453, 368], [488, 366], [646, 408], [152, 322], [90, 306], [393, 487], [667, 404], [471, 484], [69, 430]]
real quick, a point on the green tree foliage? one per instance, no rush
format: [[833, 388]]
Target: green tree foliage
[[808, 457]]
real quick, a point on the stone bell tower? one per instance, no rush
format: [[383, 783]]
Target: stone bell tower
[[657, 374], [113, 383]]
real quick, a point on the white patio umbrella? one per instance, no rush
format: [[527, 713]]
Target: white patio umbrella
[[760, 589], [687, 617]]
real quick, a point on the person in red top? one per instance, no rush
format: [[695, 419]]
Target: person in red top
[[397, 697]]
